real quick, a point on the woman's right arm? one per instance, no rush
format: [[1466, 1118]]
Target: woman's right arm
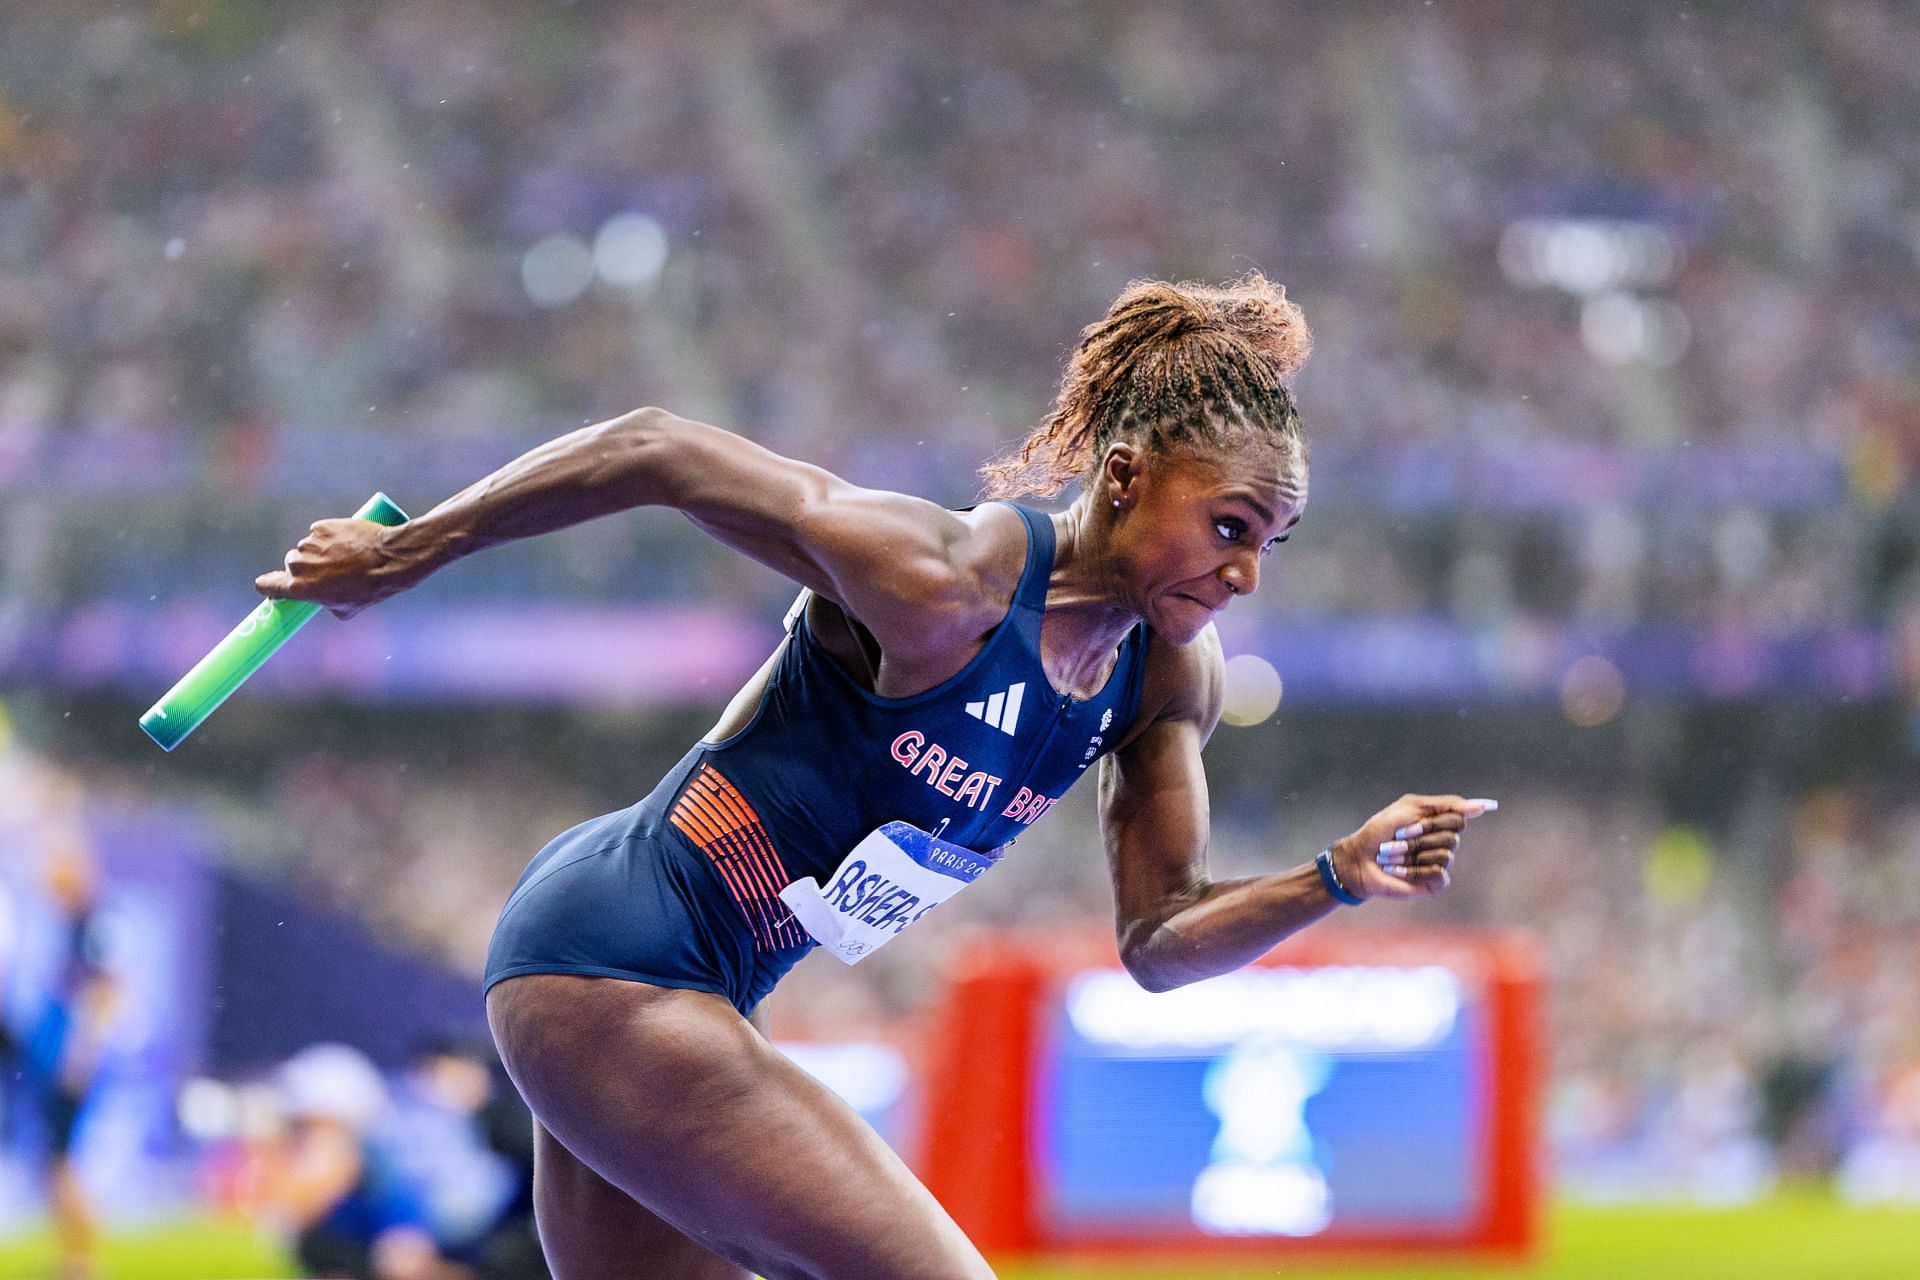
[[901, 565]]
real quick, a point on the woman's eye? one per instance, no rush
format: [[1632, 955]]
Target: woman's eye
[[1235, 530]]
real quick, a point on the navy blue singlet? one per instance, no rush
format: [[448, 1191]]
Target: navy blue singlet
[[682, 889]]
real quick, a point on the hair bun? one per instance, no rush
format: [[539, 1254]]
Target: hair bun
[[1252, 308], [1257, 309]]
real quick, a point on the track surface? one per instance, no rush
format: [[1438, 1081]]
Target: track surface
[[1797, 1238]]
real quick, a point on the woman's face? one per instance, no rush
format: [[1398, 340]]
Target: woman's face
[[1193, 525]]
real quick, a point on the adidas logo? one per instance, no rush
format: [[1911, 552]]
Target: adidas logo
[[1002, 710]]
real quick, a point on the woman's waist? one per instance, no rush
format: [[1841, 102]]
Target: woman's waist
[[783, 830]]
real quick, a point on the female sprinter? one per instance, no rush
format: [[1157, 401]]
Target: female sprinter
[[944, 678]]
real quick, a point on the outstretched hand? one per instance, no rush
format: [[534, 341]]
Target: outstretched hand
[[344, 565], [1407, 849]]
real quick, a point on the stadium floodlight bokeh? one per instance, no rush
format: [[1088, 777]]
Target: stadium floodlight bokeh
[[1616, 499]]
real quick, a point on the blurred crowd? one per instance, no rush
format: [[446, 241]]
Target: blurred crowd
[[1731, 1007], [1616, 264], [882, 223]]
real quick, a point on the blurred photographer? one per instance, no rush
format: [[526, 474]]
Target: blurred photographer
[[350, 1210]]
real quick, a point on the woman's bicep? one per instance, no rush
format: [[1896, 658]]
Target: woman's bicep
[[1154, 808], [1154, 823]]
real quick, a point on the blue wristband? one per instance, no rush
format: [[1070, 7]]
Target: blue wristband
[[1330, 878]]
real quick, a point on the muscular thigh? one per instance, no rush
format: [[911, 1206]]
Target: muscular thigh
[[672, 1098], [592, 1230]]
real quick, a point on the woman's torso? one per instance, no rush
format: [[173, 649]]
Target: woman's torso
[[976, 759]]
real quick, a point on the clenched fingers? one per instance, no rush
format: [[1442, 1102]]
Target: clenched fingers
[[1429, 873], [1427, 850]]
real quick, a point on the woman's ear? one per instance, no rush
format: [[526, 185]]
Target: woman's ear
[[1120, 473]]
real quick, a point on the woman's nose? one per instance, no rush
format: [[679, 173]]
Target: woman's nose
[[1241, 574]]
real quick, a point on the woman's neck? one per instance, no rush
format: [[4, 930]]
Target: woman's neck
[[1087, 610]]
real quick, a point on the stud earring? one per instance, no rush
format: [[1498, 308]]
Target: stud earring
[[1116, 504]]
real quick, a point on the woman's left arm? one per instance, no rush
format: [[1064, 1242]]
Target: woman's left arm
[[1176, 925]]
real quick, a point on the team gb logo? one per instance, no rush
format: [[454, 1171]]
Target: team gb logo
[[1093, 747]]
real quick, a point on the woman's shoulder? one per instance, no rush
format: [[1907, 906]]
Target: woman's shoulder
[[1183, 681], [944, 605], [988, 555], [995, 546]]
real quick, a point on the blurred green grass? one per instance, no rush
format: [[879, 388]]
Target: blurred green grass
[[1802, 1237], [189, 1251], [1799, 1237]]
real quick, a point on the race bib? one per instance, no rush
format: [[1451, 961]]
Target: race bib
[[892, 878]]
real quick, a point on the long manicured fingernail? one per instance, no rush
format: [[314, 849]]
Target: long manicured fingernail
[[1477, 807], [1394, 846], [1396, 871], [1415, 831], [1393, 859]]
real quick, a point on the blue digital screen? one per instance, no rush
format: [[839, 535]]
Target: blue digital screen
[[1280, 1102]]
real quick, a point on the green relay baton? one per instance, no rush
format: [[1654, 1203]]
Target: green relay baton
[[215, 677]]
